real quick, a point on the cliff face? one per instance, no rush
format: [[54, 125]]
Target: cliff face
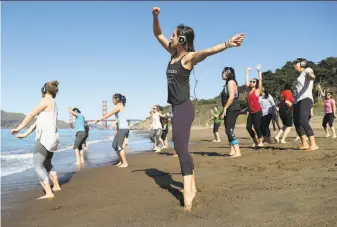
[[12, 120]]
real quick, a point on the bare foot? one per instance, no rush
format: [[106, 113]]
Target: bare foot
[[77, 163], [282, 141], [46, 197], [123, 165], [236, 155], [297, 138], [254, 145], [312, 148], [303, 147], [218, 141], [260, 145], [327, 135], [231, 153], [188, 200], [158, 149], [118, 164], [334, 137], [174, 156], [56, 188]]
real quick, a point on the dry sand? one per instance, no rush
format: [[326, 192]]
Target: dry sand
[[273, 186]]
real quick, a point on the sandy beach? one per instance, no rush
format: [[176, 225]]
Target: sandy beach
[[273, 186]]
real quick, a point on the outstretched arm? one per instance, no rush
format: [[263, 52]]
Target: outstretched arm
[[260, 79], [158, 33], [334, 108], [41, 107], [320, 90], [28, 132], [115, 110], [247, 76], [71, 112], [235, 41]]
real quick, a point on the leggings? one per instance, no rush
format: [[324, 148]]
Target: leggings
[[265, 125], [183, 116], [42, 161], [329, 117], [229, 122], [254, 119], [301, 117], [155, 133]]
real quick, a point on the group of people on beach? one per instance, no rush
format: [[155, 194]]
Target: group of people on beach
[[183, 58]]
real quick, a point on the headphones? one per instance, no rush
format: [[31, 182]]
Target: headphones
[[44, 88], [181, 39], [303, 62], [228, 72]]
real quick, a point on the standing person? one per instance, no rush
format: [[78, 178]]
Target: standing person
[[183, 58], [86, 127], [80, 134], [216, 124], [165, 124], [286, 113], [303, 102], [268, 110], [122, 127], [156, 128], [231, 109], [330, 112], [254, 108], [47, 137]]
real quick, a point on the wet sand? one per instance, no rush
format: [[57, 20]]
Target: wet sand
[[273, 186]]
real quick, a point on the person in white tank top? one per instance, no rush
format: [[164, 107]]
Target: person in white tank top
[[47, 137], [156, 128]]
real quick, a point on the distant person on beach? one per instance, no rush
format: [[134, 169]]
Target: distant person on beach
[[86, 127], [303, 102], [216, 124], [254, 108], [81, 135], [286, 113], [329, 111], [268, 111], [165, 129], [231, 108], [122, 127], [183, 58], [156, 128], [47, 137]]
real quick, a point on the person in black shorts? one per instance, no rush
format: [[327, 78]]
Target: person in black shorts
[[165, 126]]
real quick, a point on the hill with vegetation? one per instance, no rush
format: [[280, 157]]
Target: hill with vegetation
[[273, 82], [12, 120]]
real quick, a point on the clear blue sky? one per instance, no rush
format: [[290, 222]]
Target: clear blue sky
[[95, 49]]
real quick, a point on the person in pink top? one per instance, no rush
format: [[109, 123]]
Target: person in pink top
[[330, 112], [254, 108]]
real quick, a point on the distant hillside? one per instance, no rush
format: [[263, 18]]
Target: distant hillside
[[12, 120], [325, 72]]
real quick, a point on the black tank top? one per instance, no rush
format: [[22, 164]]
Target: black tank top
[[178, 82], [235, 106]]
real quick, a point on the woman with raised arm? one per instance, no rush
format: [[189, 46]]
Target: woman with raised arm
[[231, 109], [303, 102], [122, 127], [330, 112], [254, 108], [81, 134], [183, 58], [47, 137]]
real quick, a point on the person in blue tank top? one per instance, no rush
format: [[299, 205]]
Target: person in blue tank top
[[122, 127], [183, 58], [80, 134]]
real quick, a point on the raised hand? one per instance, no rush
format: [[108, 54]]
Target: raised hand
[[14, 131], [258, 67], [249, 69], [155, 11], [236, 40]]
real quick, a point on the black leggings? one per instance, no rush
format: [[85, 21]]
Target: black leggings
[[301, 117], [265, 125], [183, 116], [329, 117], [254, 119], [229, 122]]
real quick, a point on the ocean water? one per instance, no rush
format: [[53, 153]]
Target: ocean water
[[17, 171]]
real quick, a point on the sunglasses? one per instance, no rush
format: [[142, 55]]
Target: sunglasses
[[253, 81]]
